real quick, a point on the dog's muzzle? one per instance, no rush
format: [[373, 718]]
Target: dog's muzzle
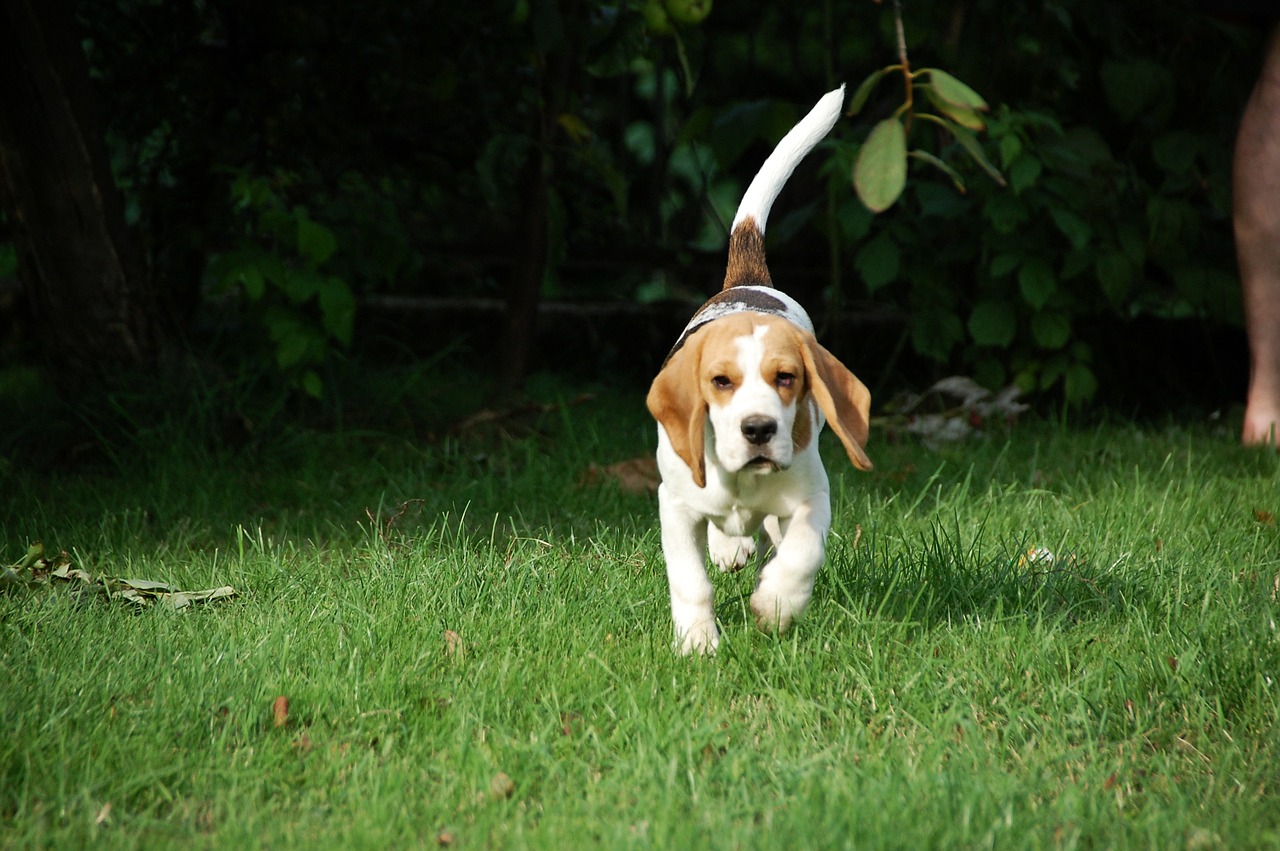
[[759, 430]]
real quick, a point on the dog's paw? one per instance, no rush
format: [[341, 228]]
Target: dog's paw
[[729, 553], [702, 639], [775, 613]]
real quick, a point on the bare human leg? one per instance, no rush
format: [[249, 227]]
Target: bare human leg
[[1256, 217]]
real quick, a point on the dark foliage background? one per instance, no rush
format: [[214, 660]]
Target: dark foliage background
[[328, 180]]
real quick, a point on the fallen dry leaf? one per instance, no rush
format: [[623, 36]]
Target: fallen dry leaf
[[501, 786], [280, 711], [635, 475], [35, 570], [104, 815], [452, 643], [1266, 518]]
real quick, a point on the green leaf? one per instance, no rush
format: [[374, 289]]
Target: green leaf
[[993, 323], [1010, 149], [312, 385], [935, 332], [1024, 172], [1073, 227], [1051, 329], [863, 92], [1176, 152], [926, 157], [301, 284], [961, 115], [1138, 87], [1006, 212], [1115, 275], [34, 553], [1037, 281], [878, 262], [1003, 264], [880, 173], [970, 143], [338, 309], [1080, 384], [316, 242], [254, 284], [954, 91]]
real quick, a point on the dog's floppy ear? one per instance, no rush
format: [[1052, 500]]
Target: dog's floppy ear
[[842, 397], [676, 402]]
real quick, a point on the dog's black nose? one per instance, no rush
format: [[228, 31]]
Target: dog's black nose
[[759, 430]]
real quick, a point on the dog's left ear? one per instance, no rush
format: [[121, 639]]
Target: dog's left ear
[[676, 401], [844, 399]]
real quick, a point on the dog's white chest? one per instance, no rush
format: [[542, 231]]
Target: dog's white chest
[[741, 521]]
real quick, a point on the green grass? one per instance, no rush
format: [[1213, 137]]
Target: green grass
[[941, 692]]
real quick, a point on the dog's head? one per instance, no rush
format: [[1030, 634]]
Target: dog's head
[[756, 378]]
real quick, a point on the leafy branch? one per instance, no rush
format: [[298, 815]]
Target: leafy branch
[[880, 172]]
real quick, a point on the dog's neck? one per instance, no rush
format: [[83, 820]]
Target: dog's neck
[[745, 299]]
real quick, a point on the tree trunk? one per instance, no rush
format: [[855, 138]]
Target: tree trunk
[[83, 275], [554, 64]]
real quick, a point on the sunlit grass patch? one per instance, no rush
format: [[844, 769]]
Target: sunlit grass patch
[[1054, 637]]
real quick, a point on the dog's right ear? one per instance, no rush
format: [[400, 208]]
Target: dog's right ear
[[676, 402]]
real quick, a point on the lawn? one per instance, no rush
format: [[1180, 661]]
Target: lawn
[[462, 639]]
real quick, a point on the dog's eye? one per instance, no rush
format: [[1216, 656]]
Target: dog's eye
[[784, 379], [722, 382]]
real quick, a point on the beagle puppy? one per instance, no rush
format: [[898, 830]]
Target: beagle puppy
[[740, 401]]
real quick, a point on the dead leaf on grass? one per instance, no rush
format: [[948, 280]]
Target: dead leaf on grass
[[501, 786], [1266, 518], [453, 643], [635, 475], [280, 711], [35, 570]]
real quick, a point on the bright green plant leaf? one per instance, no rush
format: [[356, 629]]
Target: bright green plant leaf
[[953, 91], [993, 323], [1037, 282], [962, 115], [880, 173], [1051, 329]]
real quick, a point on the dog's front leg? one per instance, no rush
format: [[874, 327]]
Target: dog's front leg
[[786, 582], [684, 542], [729, 553]]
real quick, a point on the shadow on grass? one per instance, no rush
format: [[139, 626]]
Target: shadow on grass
[[942, 579]]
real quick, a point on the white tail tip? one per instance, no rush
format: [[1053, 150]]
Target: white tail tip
[[768, 182]]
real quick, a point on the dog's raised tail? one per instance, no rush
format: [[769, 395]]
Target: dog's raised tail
[[746, 240]]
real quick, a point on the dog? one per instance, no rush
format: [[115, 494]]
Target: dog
[[740, 401]]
